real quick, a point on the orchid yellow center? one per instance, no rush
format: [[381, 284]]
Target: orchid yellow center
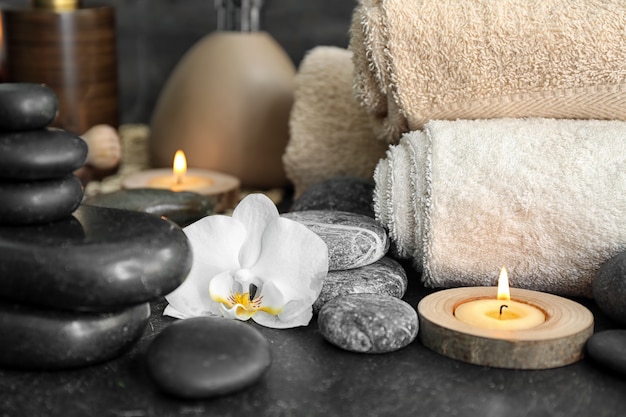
[[245, 304]]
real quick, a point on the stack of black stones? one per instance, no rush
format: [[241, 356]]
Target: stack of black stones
[[75, 280]]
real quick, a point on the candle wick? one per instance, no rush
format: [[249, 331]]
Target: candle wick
[[501, 307]]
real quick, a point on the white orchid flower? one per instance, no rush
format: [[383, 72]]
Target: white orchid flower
[[254, 264]]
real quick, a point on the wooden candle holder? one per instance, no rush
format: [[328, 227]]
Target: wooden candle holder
[[223, 190], [559, 341]]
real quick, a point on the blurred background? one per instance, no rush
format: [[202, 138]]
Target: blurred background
[[152, 36]]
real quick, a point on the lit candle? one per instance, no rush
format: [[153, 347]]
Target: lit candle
[[501, 313], [179, 180], [221, 188]]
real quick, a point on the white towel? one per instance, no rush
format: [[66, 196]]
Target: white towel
[[546, 198]]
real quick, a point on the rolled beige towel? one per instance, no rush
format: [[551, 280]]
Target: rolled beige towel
[[546, 198], [417, 61], [330, 135]]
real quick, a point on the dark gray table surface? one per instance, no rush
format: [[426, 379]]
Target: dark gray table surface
[[310, 377]]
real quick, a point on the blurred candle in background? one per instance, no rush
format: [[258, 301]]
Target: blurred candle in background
[[72, 50]]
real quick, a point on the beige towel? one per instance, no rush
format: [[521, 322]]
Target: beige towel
[[449, 59], [546, 198], [330, 135]]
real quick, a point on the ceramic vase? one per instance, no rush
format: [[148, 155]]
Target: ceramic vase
[[227, 105]]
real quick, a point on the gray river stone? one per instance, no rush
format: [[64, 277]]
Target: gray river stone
[[368, 323], [98, 259], [205, 357], [353, 240], [385, 276], [182, 208], [26, 106], [47, 339]]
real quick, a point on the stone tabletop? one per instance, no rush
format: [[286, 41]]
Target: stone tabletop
[[311, 377]]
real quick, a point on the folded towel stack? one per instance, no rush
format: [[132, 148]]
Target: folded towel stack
[[330, 135], [448, 59], [546, 198]]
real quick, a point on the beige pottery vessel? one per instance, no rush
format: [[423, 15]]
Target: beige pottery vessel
[[227, 105]]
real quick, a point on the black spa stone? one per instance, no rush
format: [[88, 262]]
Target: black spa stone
[[350, 194], [40, 154], [182, 208], [44, 339], [26, 106], [353, 240], [98, 259], [385, 276], [41, 201], [205, 357], [368, 323], [609, 287], [608, 348]]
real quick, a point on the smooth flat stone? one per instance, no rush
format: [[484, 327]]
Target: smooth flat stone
[[98, 259], [26, 106], [205, 357], [41, 339], [368, 323], [40, 154], [385, 276], [41, 201], [609, 287], [351, 194], [182, 208], [353, 240], [608, 348]]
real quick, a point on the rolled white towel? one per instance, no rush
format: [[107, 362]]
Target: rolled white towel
[[546, 198]]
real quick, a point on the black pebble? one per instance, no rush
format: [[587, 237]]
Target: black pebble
[[204, 357], [26, 106], [608, 348], [350, 194], [99, 259], [30, 202], [183, 208], [40, 154], [609, 287], [41, 339]]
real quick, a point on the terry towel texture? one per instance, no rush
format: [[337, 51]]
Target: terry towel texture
[[448, 59], [546, 198], [330, 134]]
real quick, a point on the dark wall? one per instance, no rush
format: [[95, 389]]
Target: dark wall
[[154, 34]]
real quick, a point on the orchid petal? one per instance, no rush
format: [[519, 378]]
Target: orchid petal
[[293, 264], [221, 286], [279, 312], [215, 243], [255, 211], [284, 322]]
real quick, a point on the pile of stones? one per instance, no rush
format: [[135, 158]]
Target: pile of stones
[[360, 307], [76, 279], [36, 163]]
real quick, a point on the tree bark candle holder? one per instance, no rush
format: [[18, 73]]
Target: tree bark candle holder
[[221, 189], [558, 341]]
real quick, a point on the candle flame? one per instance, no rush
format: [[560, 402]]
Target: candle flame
[[179, 166], [503, 285]]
